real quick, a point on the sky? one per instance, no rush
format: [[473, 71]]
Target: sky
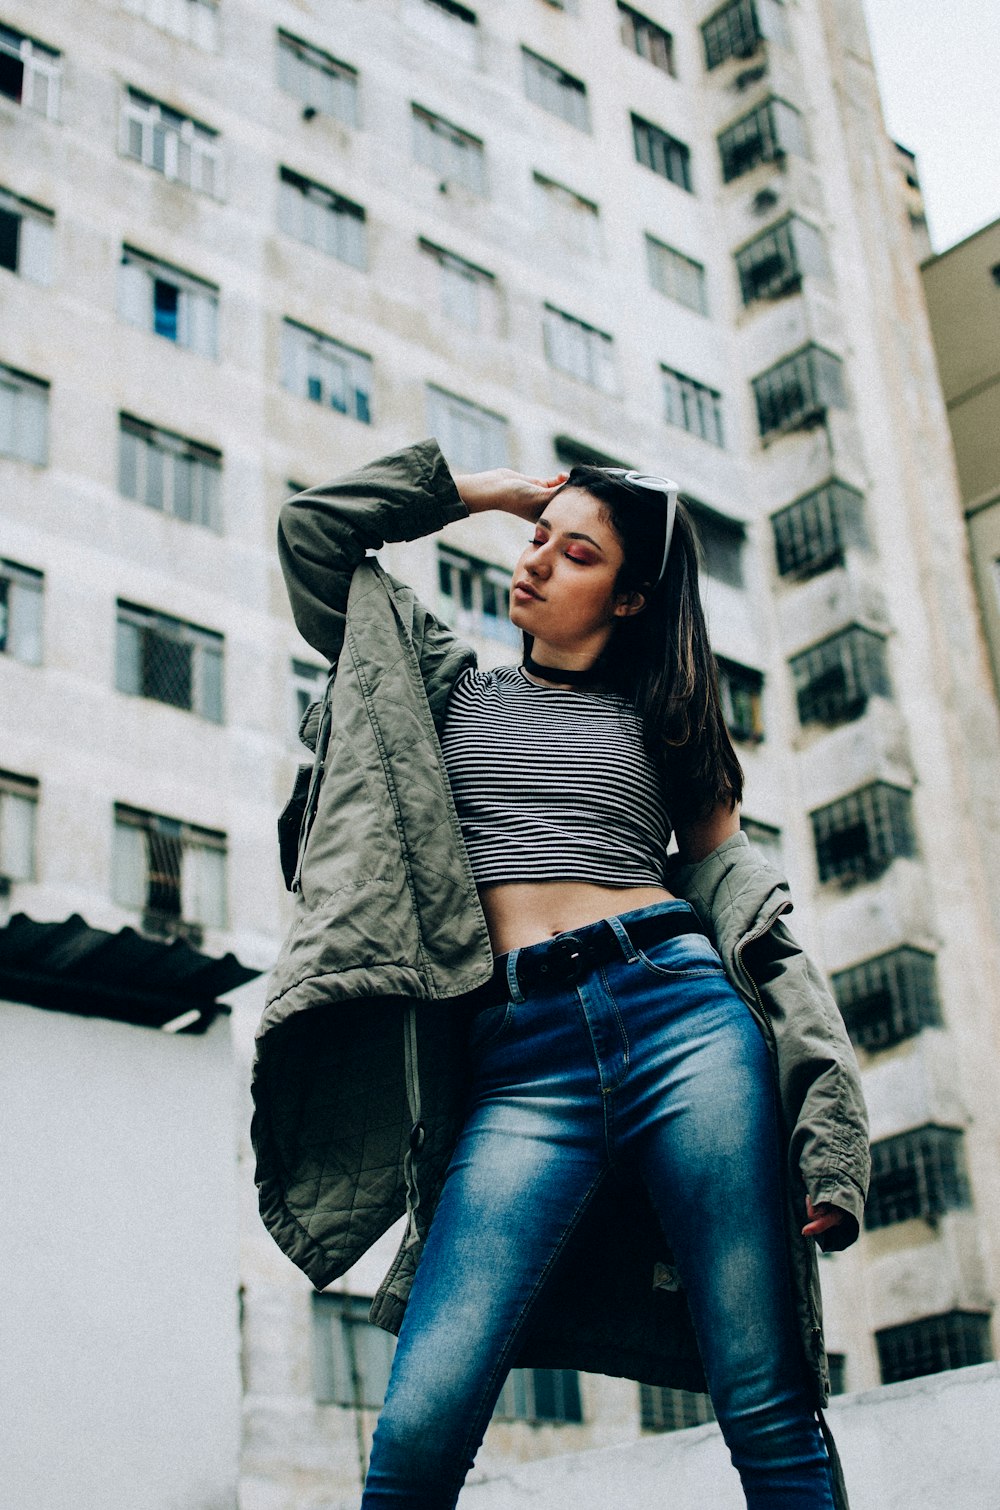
[[938, 66]]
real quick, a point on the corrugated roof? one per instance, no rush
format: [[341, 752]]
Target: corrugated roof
[[71, 967]]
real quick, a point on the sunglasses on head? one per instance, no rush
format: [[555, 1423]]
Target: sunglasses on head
[[665, 488]]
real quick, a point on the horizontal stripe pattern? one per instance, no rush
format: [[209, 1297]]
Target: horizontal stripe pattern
[[552, 784]]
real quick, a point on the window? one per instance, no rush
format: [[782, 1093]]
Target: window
[[662, 1408], [569, 218], [579, 349], [740, 691], [29, 72], [917, 1174], [448, 25], [738, 27], [24, 416], [796, 392], [765, 836], [196, 21], [954, 1339], [721, 540], [18, 806], [837, 1365], [321, 218], [169, 661], [540, 1394], [548, 85], [472, 439], [323, 84], [677, 276], [172, 144], [835, 679], [455, 156], [318, 368], [168, 302], [351, 1356], [173, 873], [858, 836], [888, 998], [649, 41], [692, 406], [170, 473], [21, 612], [26, 236], [308, 683], [657, 149], [770, 131], [813, 533], [474, 596], [464, 288], [775, 262]]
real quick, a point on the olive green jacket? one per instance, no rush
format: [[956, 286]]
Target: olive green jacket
[[360, 1068]]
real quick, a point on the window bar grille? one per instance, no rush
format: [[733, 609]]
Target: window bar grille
[[860, 835], [920, 1173], [932, 1344]]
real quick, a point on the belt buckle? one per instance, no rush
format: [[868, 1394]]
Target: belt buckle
[[565, 960]]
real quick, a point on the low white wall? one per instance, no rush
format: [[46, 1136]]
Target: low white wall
[[930, 1444], [119, 1359]]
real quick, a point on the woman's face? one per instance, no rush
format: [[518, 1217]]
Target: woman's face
[[563, 590]]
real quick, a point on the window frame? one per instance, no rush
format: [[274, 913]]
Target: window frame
[[860, 654], [933, 1344], [26, 790], [519, 1398], [888, 997], [177, 838], [197, 318], [553, 89], [301, 344], [204, 482], [765, 134], [478, 582], [693, 406], [40, 223], [27, 412], [661, 153], [566, 337], [41, 72], [813, 533], [667, 268], [342, 1375], [206, 658], [664, 1408], [647, 39], [788, 242], [190, 151], [917, 1175], [455, 155], [449, 414], [572, 218], [338, 226], [200, 24], [882, 811], [458, 274], [741, 694], [22, 602], [813, 374], [341, 102]]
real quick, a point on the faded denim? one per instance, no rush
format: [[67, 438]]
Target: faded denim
[[650, 1062]]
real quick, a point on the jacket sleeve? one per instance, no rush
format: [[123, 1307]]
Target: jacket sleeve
[[819, 1081], [325, 532]]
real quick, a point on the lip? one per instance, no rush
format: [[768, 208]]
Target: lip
[[522, 589]]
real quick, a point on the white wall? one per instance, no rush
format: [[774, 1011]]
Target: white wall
[[119, 1366], [923, 1445]]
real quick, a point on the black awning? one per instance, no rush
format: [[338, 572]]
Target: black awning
[[71, 967]]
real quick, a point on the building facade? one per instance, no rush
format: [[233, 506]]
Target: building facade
[[244, 247], [962, 286]]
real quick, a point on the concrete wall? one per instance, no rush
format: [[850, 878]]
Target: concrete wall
[[119, 1364], [923, 1445]]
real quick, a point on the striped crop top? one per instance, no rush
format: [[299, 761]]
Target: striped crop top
[[552, 784]]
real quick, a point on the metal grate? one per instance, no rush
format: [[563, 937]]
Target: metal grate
[[953, 1339], [835, 679], [797, 391], [812, 534], [662, 1408], [888, 998], [731, 32], [920, 1173], [540, 1394], [169, 661], [764, 135], [173, 873], [858, 836]]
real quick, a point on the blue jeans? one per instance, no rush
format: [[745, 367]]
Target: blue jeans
[[650, 1062]]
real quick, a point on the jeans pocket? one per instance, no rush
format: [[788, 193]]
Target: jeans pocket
[[489, 1024], [688, 954]]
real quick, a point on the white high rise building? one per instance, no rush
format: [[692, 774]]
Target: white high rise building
[[245, 246]]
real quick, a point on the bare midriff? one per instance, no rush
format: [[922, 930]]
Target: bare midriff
[[519, 913]]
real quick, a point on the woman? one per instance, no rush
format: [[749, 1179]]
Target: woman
[[483, 857]]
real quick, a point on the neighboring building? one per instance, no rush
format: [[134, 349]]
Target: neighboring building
[[962, 286], [244, 246]]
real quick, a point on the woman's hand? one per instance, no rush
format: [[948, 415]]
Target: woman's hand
[[509, 491], [821, 1218]]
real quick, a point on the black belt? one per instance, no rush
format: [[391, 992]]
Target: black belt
[[568, 957]]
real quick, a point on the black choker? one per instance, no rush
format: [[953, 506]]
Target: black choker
[[557, 674]]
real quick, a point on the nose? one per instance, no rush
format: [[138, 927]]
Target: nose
[[537, 564]]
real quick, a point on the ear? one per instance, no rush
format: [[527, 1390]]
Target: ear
[[628, 604]]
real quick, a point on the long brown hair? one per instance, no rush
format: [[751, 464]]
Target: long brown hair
[[660, 658]]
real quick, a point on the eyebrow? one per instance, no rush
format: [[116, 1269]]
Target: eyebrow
[[572, 535]]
